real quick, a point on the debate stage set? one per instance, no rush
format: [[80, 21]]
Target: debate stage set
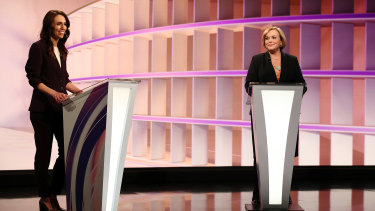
[[163, 121]]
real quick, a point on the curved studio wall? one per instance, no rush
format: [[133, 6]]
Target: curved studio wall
[[192, 57]]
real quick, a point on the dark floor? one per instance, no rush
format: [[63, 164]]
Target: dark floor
[[310, 195]]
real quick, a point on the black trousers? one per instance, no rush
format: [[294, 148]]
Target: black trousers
[[46, 125]]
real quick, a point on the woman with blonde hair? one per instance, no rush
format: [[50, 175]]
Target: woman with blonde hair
[[272, 66]]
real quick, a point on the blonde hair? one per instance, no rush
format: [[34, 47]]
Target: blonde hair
[[281, 33]]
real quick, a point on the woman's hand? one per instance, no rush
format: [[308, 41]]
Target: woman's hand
[[78, 91], [73, 88], [59, 97]]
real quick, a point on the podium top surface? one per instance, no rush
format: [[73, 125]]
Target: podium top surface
[[276, 84], [85, 90]]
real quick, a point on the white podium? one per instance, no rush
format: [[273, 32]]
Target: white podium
[[275, 120], [96, 130]]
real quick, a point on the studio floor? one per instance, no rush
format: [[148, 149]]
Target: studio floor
[[334, 196]]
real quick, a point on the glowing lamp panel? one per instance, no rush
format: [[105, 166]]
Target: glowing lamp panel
[[277, 109], [119, 115]]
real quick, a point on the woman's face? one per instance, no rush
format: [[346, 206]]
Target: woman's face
[[272, 40], [59, 27]]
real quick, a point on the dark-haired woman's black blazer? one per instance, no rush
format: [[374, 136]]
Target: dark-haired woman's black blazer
[[261, 70], [42, 68]]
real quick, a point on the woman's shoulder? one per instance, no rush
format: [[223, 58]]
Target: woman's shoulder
[[40, 44], [259, 56], [290, 56]]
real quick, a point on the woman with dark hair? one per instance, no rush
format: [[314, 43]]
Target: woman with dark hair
[[47, 74], [272, 66]]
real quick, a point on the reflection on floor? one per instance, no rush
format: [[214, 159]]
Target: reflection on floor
[[340, 196]]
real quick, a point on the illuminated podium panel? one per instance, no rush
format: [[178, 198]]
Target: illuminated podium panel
[[275, 120], [96, 130]]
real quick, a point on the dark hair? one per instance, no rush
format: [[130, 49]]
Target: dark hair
[[47, 32]]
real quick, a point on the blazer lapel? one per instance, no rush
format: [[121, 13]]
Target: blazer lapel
[[269, 68], [283, 67]]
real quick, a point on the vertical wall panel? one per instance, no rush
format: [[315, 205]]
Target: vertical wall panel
[[86, 26], [224, 49], [341, 149], [224, 99], [159, 53], [141, 14], [160, 13], [86, 62], [126, 15], [310, 7], [158, 97], [342, 52], [369, 155], [125, 56], [280, 7], [141, 99], [287, 33], [139, 141], [76, 23], [310, 109], [75, 62], [252, 8], [98, 62], [370, 6], [201, 96], [179, 97], [199, 148], [370, 102], [201, 10], [157, 140], [178, 142], [309, 147], [223, 146], [111, 18], [246, 147], [140, 55], [98, 19], [370, 46], [310, 46], [252, 43], [343, 6], [342, 101], [238, 50], [224, 9], [201, 50], [111, 58], [179, 52], [180, 12]]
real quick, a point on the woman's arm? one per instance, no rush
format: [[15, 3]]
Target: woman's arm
[[299, 76], [58, 96], [252, 76], [73, 88]]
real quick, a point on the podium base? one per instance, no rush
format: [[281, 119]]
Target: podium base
[[294, 207]]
